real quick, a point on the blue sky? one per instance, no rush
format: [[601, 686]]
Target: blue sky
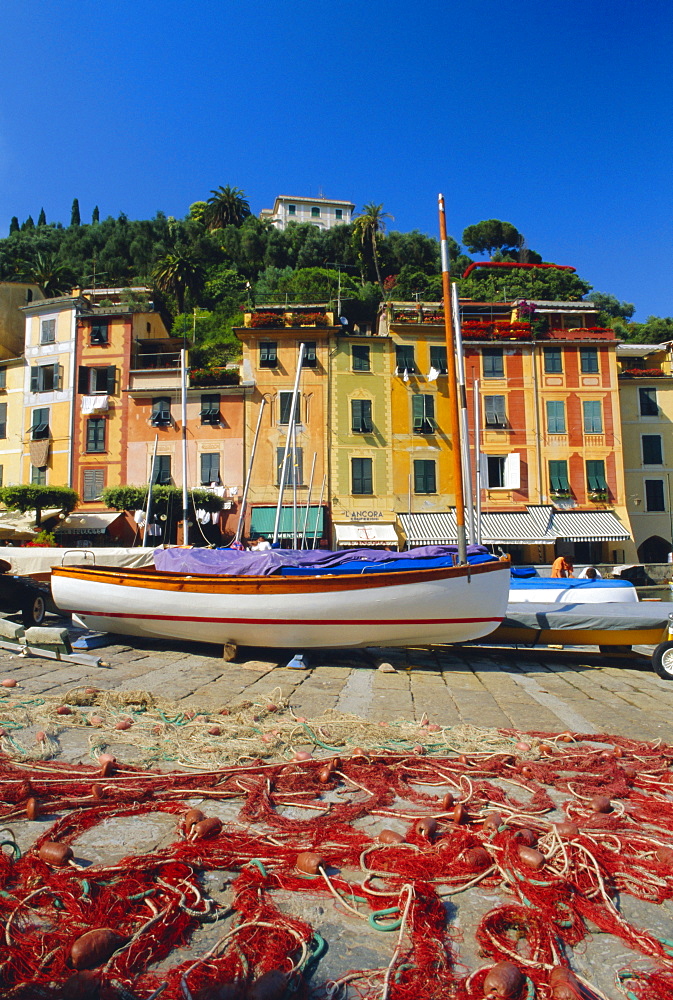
[[553, 115]]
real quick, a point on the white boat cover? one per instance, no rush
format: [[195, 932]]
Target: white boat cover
[[25, 562], [587, 616]]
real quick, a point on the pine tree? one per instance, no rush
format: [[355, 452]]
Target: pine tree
[[74, 214], [14, 225], [42, 218], [95, 215]]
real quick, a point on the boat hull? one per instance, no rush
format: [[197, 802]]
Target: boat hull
[[416, 607]]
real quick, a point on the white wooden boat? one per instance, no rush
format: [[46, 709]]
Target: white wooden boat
[[415, 607], [546, 590]]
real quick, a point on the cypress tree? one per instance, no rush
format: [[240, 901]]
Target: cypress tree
[[14, 225], [42, 218], [28, 224], [95, 215], [74, 214]]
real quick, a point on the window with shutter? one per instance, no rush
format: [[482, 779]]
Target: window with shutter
[[285, 407], [361, 361], [593, 416], [423, 413], [162, 470], [652, 450], [438, 360], [596, 475], [3, 378], [556, 416], [404, 358], [424, 476], [210, 468], [95, 434], [310, 358], [3, 420], [589, 360], [654, 495], [99, 332], [361, 476], [294, 470], [558, 476], [553, 360], [45, 378], [210, 408], [48, 331], [494, 410], [494, 362], [161, 411], [361, 416], [38, 475], [39, 427], [268, 357], [93, 482], [495, 471], [648, 402]]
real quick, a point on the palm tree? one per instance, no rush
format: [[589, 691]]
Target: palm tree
[[366, 226], [227, 206], [177, 273], [53, 277]]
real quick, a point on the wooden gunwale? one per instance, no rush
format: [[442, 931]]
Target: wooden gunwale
[[152, 579]]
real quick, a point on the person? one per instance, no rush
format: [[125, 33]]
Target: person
[[260, 544], [562, 567], [590, 573], [240, 546]]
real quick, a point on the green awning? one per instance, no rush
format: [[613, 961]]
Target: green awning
[[263, 520]]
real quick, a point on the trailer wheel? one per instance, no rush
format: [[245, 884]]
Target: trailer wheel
[[662, 660], [33, 611]]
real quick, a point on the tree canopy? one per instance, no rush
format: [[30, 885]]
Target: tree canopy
[[491, 235]]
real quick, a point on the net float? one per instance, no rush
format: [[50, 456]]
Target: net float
[[271, 986], [95, 948], [95, 720], [214, 730], [565, 985], [271, 707], [546, 750], [302, 755], [665, 855], [390, 837], [567, 737], [209, 827], [525, 836], [190, 713], [531, 858], [527, 772], [522, 746], [618, 752], [191, 817], [336, 762], [97, 791], [418, 749], [309, 863], [8, 682], [325, 774], [630, 771], [40, 736], [463, 760], [477, 858], [55, 854], [567, 829], [224, 711], [300, 718], [123, 724], [90, 690], [600, 804], [492, 822], [426, 827], [3, 732], [434, 728], [358, 753], [447, 802], [505, 980], [63, 710], [107, 769], [82, 986], [460, 814], [106, 758], [32, 808]]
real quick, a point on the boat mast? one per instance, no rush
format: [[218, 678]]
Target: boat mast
[[454, 420], [477, 457], [464, 425], [148, 508], [288, 441], [308, 501], [244, 498], [185, 495]]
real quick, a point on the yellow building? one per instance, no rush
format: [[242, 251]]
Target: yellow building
[[646, 395], [51, 334], [13, 296], [271, 340]]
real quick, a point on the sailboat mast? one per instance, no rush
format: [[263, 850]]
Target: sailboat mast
[[464, 424], [185, 495], [288, 441], [454, 418]]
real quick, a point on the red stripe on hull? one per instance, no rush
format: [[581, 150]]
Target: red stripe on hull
[[285, 621]]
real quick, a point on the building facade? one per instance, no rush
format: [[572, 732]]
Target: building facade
[[321, 212]]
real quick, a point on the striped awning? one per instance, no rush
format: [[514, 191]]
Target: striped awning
[[537, 525], [588, 526]]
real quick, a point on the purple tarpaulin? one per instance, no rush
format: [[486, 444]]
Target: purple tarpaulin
[[230, 562]]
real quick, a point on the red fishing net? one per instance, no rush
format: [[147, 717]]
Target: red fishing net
[[559, 839]]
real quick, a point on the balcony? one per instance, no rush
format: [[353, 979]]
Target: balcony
[[155, 370], [627, 373]]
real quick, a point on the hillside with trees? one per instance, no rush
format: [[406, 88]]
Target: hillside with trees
[[207, 267]]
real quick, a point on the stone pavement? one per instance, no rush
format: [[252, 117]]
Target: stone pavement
[[552, 690]]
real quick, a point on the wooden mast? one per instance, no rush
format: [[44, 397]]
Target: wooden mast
[[454, 418]]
